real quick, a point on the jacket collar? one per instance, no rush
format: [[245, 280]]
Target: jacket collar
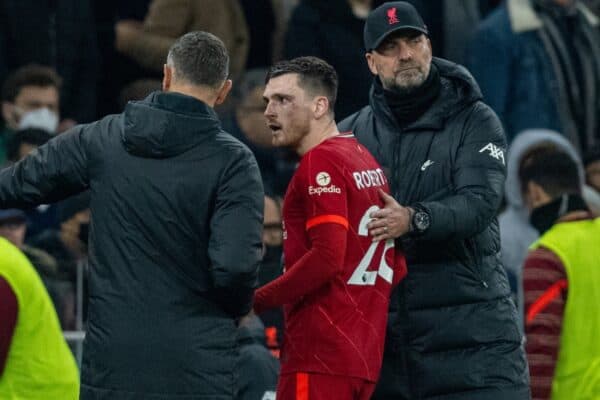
[[458, 90], [524, 18]]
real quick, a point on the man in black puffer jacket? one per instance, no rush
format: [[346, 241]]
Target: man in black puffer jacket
[[175, 234], [452, 331]]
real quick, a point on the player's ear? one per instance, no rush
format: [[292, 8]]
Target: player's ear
[[321, 106]]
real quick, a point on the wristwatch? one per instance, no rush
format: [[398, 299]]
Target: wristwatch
[[419, 221]]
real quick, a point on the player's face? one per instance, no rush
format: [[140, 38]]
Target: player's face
[[288, 111], [402, 61]]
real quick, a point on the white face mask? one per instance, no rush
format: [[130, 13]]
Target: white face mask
[[41, 118]]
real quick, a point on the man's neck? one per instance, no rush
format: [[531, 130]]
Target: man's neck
[[317, 136], [194, 91]]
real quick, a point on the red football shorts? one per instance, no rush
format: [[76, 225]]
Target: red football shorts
[[308, 386]]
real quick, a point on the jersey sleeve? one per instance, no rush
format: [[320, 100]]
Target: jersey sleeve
[[325, 190]]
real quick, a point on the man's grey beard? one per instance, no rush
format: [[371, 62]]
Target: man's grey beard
[[403, 90]]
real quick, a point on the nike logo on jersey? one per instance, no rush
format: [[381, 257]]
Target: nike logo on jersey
[[427, 164]]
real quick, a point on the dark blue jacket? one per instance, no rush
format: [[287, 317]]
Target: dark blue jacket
[[508, 59]]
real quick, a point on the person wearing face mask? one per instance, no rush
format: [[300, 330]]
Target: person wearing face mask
[[561, 279], [68, 246], [30, 99]]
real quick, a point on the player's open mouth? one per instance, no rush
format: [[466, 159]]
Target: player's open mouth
[[275, 128]]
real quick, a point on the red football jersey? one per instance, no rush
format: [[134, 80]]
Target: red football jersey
[[339, 329]]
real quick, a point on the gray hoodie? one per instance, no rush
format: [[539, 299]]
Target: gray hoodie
[[516, 233]]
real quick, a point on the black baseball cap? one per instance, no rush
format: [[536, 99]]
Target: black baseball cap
[[391, 17]]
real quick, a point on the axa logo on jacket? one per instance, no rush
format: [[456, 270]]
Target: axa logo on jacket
[[495, 152]]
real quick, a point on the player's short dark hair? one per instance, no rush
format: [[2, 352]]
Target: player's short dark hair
[[33, 136], [315, 76], [200, 58], [29, 75], [550, 167]]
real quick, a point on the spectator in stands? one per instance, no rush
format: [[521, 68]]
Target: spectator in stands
[[18, 146], [59, 34], [148, 43], [333, 30], [260, 18], [247, 124], [35, 361], [538, 65], [30, 99], [24, 141], [591, 163], [516, 232], [271, 267], [451, 24], [258, 369], [13, 227], [68, 246], [561, 279]]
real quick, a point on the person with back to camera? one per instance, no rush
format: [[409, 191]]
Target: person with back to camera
[[175, 233]]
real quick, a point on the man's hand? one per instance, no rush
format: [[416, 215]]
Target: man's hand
[[126, 31], [391, 222]]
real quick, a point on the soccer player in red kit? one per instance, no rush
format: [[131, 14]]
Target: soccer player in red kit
[[337, 281]]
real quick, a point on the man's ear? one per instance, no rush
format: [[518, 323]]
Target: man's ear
[[371, 62], [223, 92], [320, 106], [7, 110], [8, 114], [167, 77]]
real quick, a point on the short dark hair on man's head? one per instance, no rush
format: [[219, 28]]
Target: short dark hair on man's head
[[199, 58], [550, 167], [315, 76], [29, 75], [32, 136]]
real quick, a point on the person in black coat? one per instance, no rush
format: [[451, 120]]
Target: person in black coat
[[175, 234], [332, 31], [258, 369], [59, 34], [452, 330]]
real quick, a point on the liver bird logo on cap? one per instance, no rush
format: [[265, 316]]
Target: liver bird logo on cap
[[392, 16]]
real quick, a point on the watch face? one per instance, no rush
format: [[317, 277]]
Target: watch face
[[421, 220]]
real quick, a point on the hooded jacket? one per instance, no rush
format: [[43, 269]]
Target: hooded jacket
[[174, 244], [516, 233], [452, 331]]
